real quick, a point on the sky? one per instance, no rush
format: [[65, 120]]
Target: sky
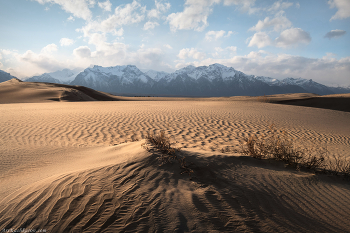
[[275, 38]]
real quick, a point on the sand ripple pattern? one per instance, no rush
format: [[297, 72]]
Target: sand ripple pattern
[[140, 196], [193, 124]]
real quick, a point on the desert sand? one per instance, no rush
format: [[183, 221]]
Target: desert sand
[[73, 166]]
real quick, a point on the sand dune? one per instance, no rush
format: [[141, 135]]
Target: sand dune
[[226, 194], [340, 102], [16, 91], [71, 167]]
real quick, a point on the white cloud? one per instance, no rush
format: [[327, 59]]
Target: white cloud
[[245, 5], [228, 51], [70, 18], [293, 36], [232, 49], [168, 46], [106, 6], [260, 40], [29, 63], [297, 5], [79, 8], [343, 7], [66, 42], [147, 56], [256, 54], [1, 65], [49, 49], [279, 5], [335, 34], [194, 16], [229, 33], [8, 52], [123, 15], [150, 25], [215, 35], [102, 46], [42, 60], [82, 52], [329, 56], [191, 53], [219, 49], [159, 10], [278, 23], [120, 32]]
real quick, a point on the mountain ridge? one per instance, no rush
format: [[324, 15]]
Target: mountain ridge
[[213, 80], [4, 76]]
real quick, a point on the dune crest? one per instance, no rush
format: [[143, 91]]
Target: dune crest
[[17, 91]]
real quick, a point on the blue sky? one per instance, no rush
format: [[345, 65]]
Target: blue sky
[[275, 38]]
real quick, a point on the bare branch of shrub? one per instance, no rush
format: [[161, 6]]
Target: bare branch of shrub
[[162, 143], [278, 145]]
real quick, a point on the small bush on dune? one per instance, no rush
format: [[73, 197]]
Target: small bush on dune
[[162, 143], [278, 145]]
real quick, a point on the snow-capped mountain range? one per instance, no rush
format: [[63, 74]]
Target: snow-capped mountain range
[[212, 80]]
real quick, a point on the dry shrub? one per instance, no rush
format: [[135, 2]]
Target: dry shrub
[[162, 143], [339, 165], [279, 146]]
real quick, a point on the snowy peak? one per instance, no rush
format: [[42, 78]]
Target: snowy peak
[[268, 80], [116, 70], [294, 81], [64, 76], [156, 75], [126, 74], [210, 72]]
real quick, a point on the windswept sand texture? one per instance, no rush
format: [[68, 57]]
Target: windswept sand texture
[[71, 167]]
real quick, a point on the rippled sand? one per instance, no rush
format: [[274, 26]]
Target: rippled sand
[[72, 167]]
